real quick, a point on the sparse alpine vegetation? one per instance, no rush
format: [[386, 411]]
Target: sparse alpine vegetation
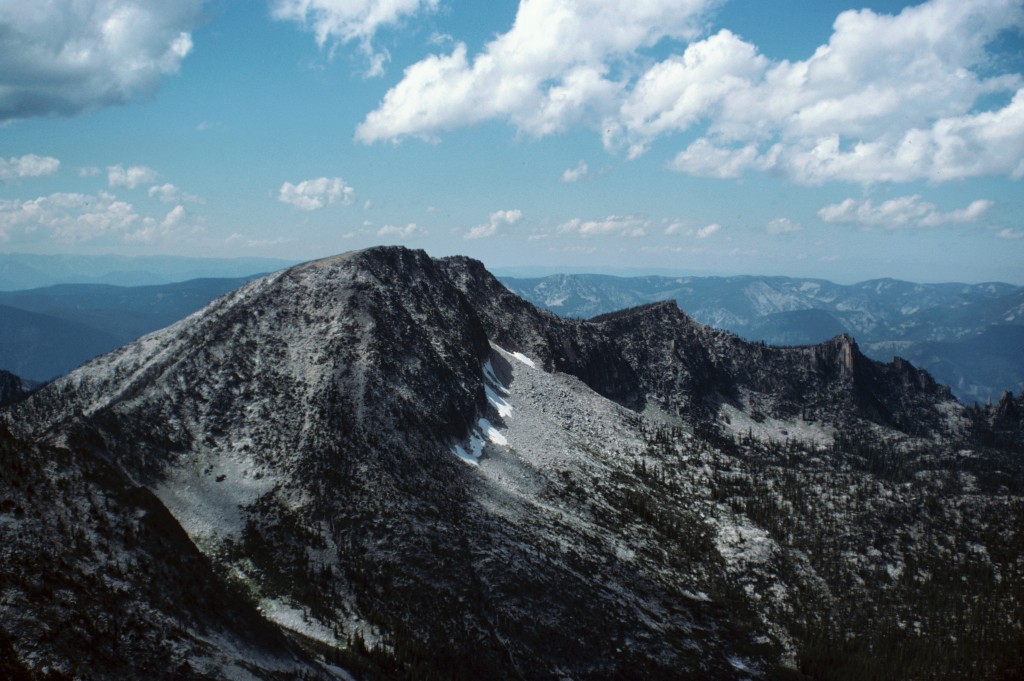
[[387, 466]]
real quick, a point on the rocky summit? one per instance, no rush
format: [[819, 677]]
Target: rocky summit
[[382, 465]]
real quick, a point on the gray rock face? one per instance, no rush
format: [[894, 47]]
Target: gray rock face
[[967, 335], [659, 355], [412, 471]]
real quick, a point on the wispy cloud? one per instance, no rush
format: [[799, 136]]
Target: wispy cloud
[[335, 22], [686, 228], [574, 174], [705, 232], [782, 226]]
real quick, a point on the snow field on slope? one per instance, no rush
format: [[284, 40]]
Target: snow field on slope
[[295, 619]]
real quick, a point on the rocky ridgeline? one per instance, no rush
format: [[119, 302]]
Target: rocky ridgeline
[[413, 472], [658, 354], [967, 335]]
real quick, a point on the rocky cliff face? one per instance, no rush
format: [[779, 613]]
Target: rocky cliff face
[[412, 471], [656, 355], [969, 335]]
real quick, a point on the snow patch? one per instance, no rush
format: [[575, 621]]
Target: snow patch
[[295, 619], [524, 359], [492, 388], [491, 432], [483, 433], [460, 451], [739, 664], [696, 596], [498, 402]]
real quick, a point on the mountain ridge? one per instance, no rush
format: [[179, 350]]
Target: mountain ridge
[[887, 316], [411, 470]]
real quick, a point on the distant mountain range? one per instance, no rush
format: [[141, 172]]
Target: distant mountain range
[[48, 331], [24, 270], [969, 336]]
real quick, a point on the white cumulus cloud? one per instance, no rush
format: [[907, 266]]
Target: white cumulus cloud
[[317, 193], [682, 90], [394, 230], [66, 56], [904, 211], [29, 165], [613, 225], [888, 98], [173, 225], [131, 177], [550, 70], [169, 193], [71, 217], [491, 227], [705, 159]]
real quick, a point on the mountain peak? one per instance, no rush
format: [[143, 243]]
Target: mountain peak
[[310, 431]]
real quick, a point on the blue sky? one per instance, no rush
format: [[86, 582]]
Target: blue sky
[[840, 140]]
